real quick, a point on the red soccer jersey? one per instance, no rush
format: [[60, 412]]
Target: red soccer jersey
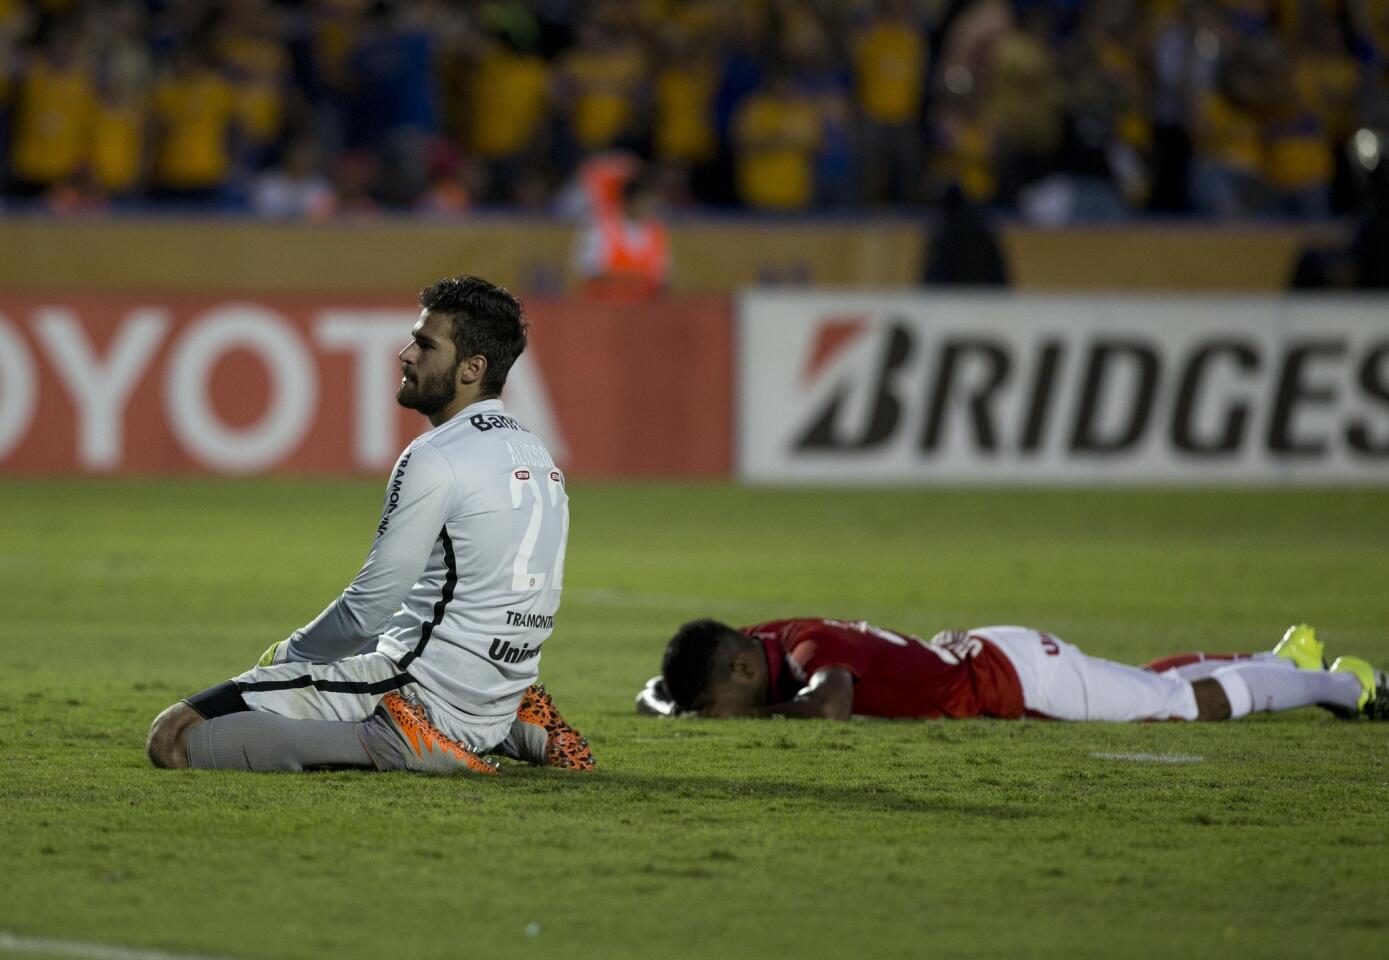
[[895, 674]]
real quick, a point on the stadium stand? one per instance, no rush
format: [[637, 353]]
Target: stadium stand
[[1056, 111]]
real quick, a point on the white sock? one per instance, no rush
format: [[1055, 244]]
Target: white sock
[[1236, 690], [1252, 686]]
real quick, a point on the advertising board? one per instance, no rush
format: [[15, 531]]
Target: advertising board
[[307, 385], [914, 388]]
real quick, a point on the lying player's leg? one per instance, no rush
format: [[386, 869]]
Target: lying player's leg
[[1349, 689], [1258, 685], [1061, 682], [1299, 647], [1197, 666]]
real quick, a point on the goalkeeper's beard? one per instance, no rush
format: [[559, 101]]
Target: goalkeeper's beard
[[430, 395]]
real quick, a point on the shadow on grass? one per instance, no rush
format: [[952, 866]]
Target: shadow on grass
[[626, 788]]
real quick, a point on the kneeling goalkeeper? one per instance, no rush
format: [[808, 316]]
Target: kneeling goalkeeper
[[428, 660]]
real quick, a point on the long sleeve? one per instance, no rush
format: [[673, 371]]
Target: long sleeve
[[412, 517]]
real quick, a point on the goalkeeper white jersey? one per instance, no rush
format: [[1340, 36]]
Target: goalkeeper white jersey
[[463, 580]]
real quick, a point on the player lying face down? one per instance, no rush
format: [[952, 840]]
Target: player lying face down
[[836, 669]]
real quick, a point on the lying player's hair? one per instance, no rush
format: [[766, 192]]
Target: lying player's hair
[[691, 658], [487, 320]]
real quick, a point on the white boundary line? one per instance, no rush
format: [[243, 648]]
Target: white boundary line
[[1151, 757], [9, 943]]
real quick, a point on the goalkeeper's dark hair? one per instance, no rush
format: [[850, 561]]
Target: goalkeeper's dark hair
[[486, 320], [692, 656]]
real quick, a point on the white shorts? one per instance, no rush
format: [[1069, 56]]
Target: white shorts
[[1060, 682], [349, 689]]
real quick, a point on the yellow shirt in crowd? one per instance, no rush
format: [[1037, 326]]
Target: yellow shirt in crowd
[[777, 138], [52, 118], [336, 27], [967, 158], [261, 67], [889, 66], [195, 115], [118, 144], [607, 86], [509, 96], [1229, 135], [1297, 155], [684, 113]]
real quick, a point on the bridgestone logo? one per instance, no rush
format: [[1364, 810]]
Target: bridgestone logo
[[1090, 389], [969, 379], [393, 495]]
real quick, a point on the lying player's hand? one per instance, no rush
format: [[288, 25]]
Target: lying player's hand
[[654, 699]]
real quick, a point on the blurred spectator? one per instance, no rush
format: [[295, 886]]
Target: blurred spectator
[[602, 83], [1119, 122], [394, 100], [890, 54], [1026, 108], [685, 138], [963, 143], [119, 149], [1298, 161], [14, 25], [53, 113], [356, 174], [818, 74], [962, 249], [1176, 75], [333, 28], [623, 252], [252, 48], [455, 183], [195, 121], [297, 188], [776, 133], [1326, 78], [962, 147], [508, 99], [1228, 139], [1370, 247], [1364, 262]]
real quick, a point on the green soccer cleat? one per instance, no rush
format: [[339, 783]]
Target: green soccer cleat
[[1301, 646], [1374, 686]]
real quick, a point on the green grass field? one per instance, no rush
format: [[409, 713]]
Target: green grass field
[[718, 839]]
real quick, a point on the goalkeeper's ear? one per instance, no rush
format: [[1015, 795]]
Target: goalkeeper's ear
[[654, 700]]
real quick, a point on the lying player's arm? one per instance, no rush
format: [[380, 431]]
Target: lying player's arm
[[829, 695], [655, 701]]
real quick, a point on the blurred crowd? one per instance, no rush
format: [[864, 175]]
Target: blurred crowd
[[1056, 111]]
